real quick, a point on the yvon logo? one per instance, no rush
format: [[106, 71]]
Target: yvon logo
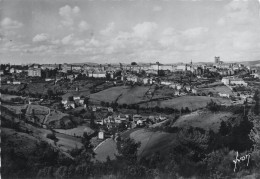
[[241, 159]]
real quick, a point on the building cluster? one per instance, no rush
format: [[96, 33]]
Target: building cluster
[[136, 73], [131, 121], [233, 81]]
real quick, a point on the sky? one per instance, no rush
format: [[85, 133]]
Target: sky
[[113, 31]]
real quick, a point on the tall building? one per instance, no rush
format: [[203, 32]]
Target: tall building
[[217, 59]]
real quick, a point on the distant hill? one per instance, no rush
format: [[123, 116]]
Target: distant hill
[[251, 63], [86, 63]]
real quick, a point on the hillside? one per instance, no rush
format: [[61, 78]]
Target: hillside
[[192, 102], [251, 63], [204, 119]]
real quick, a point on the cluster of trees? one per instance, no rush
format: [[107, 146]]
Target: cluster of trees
[[50, 94], [136, 107], [195, 152]]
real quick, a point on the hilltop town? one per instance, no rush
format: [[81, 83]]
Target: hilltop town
[[61, 104]]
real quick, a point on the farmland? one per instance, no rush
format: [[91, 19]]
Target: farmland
[[217, 89], [192, 102], [121, 94], [78, 131]]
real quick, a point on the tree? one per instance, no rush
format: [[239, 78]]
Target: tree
[[70, 98], [50, 93], [225, 129], [127, 150], [256, 98], [213, 106], [133, 63], [86, 101], [255, 131], [102, 103], [92, 120]]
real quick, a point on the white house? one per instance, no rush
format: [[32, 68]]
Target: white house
[[226, 81], [166, 83], [109, 109], [224, 95], [194, 91], [101, 135], [146, 81], [179, 87], [16, 82]]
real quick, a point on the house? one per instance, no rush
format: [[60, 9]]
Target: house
[[12, 70], [167, 67], [69, 104], [16, 82], [34, 72], [224, 95], [166, 83], [101, 135], [173, 86], [98, 74], [256, 75], [183, 67], [179, 87], [121, 119], [146, 81], [188, 88], [81, 100], [136, 117], [109, 109], [76, 98], [194, 91], [49, 79], [51, 66], [162, 118], [233, 81], [177, 93], [132, 78], [66, 68], [238, 81], [2, 72], [76, 67], [226, 81], [151, 71]]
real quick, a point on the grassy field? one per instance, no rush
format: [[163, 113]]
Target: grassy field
[[78, 131], [105, 149], [153, 141], [122, 94], [134, 95], [203, 119], [217, 89], [109, 95], [150, 142], [55, 115], [192, 102], [7, 97]]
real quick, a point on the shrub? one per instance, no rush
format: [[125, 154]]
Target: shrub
[[51, 136]]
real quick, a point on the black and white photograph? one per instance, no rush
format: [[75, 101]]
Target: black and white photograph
[[130, 89]]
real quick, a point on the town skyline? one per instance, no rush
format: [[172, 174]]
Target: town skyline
[[126, 31]]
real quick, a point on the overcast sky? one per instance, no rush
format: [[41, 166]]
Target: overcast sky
[[112, 31]]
